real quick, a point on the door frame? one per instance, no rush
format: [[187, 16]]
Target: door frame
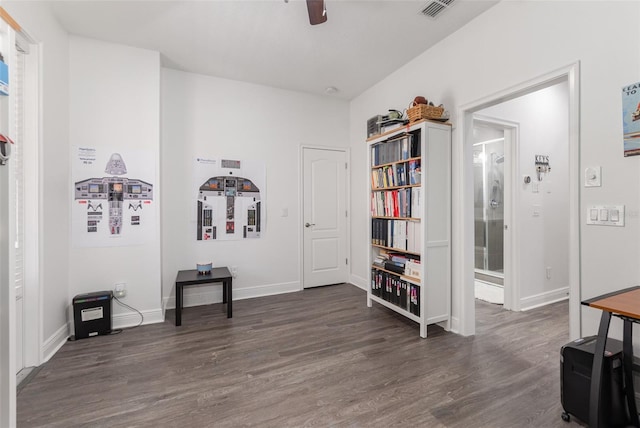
[[511, 249], [33, 286], [347, 196], [462, 254]]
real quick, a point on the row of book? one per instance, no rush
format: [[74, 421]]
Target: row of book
[[396, 203], [405, 147], [395, 290], [399, 174], [401, 234], [400, 263]]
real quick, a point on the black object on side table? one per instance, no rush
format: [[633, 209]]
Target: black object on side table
[[192, 277]]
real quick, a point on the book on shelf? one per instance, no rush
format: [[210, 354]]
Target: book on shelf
[[398, 174], [412, 268], [379, 263], [393, 267], [393, 203], [398, 258], [414, 240], [416, 201], [414, 171]]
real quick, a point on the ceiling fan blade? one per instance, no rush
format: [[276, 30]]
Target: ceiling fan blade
[[317, 12]]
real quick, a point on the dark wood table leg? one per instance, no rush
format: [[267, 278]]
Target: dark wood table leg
[[596, 371], [627, 352], [227, 286], [224, 292], [178, 305]]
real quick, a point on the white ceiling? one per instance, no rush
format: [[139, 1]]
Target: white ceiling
[[270, 42]]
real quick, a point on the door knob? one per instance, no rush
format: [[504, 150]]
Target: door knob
[[309, 224]]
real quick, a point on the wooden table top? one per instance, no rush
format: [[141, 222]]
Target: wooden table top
[[190, 277], [623, 302]]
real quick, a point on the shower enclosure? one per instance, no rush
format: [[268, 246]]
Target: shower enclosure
[[488, 162]]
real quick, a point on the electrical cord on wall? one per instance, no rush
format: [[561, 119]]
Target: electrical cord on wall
[[133, 309]]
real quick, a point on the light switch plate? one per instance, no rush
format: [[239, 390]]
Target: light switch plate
[[592, 176], [606, 215]]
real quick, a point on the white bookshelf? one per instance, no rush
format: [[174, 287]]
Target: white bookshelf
[[409, 231]]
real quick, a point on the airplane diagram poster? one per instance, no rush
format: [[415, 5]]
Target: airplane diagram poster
[[112, 196], [229, 199]]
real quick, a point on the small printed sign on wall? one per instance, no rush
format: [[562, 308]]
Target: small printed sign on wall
[[631, 119]]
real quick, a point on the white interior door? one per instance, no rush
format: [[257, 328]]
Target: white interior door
[[324, 217]]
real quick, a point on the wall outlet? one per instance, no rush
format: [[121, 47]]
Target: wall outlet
[[548, 272], [120, 290], [234, 271]]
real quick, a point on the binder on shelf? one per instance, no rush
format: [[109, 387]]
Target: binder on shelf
[[415, 144], [406, 148], [414, 302], [393, 289]]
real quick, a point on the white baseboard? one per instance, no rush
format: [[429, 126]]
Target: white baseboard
[[55, 342], [455, 325], [197, 295], [542, 299], [359, 282], [131, 319]]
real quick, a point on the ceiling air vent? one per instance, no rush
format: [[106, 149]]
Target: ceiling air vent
[[436, 7]]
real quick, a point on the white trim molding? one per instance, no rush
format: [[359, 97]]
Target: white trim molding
[[358, 281], [462, 231], [197, 295], [542, 299], [55, 342], [132, 319]]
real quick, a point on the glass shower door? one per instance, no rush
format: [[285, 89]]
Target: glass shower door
[[488, 160]]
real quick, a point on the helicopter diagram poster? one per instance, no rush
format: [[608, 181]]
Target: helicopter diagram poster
[[112, 197], [230, 197]]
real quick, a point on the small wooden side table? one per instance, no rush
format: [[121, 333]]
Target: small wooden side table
[[192, 277]]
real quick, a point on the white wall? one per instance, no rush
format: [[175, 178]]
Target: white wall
[[505, 47], [38, 21], [115, 105], [217, 118], [543, 120]]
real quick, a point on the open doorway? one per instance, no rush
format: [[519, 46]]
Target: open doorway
[[534, 273], [488, 212], [495, 143]]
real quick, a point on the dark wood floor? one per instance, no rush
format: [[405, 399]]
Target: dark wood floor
[[314, 358]]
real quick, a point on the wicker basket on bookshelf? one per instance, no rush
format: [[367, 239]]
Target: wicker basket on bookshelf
[[424, 111]]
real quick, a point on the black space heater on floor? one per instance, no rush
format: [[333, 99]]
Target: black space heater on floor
[[576, 362], [92, 314]]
